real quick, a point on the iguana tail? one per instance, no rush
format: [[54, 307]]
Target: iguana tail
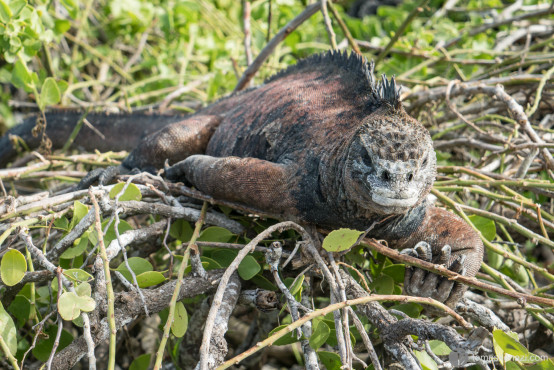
[[109, 132]]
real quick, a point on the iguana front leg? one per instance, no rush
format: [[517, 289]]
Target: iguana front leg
[[171, 143], [442, 238], [252, 182]]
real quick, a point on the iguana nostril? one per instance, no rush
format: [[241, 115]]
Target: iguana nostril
[[385, 176], [410, 177]]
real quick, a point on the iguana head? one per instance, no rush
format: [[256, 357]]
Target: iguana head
[[391, 164]]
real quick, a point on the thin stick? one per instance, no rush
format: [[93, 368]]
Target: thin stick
[[328, 26], [271, 45], [247, 32], [180, 274], [109, 287], [333, 307], [218, 296], [344, 28], [418, 9]]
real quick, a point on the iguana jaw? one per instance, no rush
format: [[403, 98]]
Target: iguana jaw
[[394, 202]]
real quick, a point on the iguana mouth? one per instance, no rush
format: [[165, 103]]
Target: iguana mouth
[[394, 202]]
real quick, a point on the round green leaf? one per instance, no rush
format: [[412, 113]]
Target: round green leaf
[[49, 94], [68, 306], [215, 234], [131, 193], [110, 233], [13, 267], [7, 330], [180, 321], [341, 240], [249, 267], [137, 264], [224, 256], [83, 290], [149, 278], [181, 230], [319, 335], [395, 271], [330, 360]]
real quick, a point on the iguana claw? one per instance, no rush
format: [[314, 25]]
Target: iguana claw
[[422, 283]]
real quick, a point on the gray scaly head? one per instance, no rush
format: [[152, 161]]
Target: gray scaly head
[[391, 164]]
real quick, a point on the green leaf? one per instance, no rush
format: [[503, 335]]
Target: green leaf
[[426, 361], [142, 362], [211, 263], [319, 334], [332, 339], [80, 245], [5, 12], [148, 278], [286, 339], [13, 267], [330, 360], [7, 330], [297, 286], [180, 321], [249, 267], [49, 94], [384, 284], [79, 211], [131, 193], [44, 346], [396, 272], [21, 78], [507, 343], [16, 6], [62, 26], [70, 305], [20, 308], [224, 256], [61, 223], [110, 233], [341, 240], [137, 264], [78, 275], [215, 234], [181, 230], [83, 290], [484, 225], [262, 282]]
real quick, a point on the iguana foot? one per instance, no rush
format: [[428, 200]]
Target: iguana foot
[[100, 175], [422, 283]]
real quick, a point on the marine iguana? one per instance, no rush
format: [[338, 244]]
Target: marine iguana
[[321, 142]]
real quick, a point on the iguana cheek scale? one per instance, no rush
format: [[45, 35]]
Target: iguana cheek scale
[[321, 142]]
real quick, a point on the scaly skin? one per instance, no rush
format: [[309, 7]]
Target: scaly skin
[[321, 143]]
